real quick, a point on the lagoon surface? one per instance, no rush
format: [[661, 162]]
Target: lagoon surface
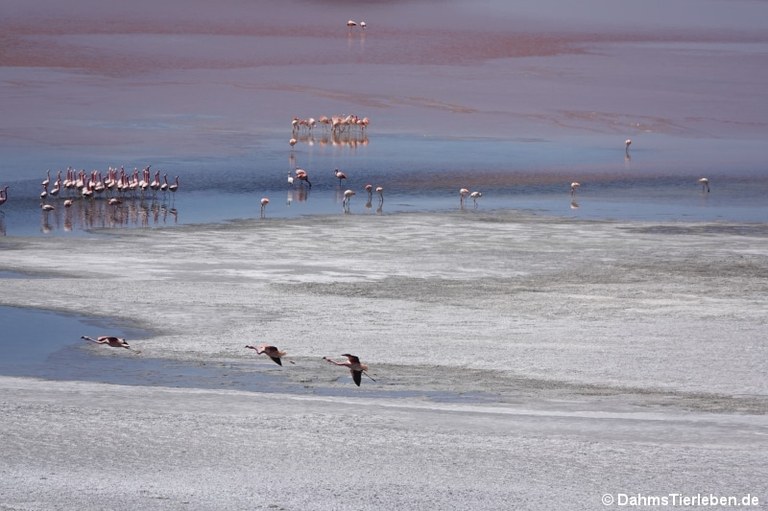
[[534, 350]]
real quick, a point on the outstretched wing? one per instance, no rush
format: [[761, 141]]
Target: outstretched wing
[[276, 360], [357, 377], [351, 358]]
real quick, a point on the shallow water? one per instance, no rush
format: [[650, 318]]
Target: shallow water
[[517, 108]]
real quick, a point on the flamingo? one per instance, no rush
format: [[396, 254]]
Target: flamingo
[[627, 143], [475, 196], [351, 23], [3, 195], [355, 367], [348, 194], [165, 185], [302, 175], [574, 186], [463, 195], [363, 25], [380, 191], [47, 180], [339, 175], [292, 141], [264, 201], [115, 342], [270, 351], [155, 183], [704, 184], [68, 203], [47, 207], [174, 186], [369, 188]]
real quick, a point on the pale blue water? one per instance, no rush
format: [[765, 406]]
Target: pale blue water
[[419, 175]]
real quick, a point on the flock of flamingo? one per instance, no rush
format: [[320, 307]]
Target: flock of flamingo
[[336, 123], [356, 368], [117, 186]]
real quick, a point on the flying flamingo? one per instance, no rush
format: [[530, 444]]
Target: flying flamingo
[[339, 175], [270, 351], [704, 184], [574, 186], [355, 367], [462, 195], [110, 340], [475, 196]]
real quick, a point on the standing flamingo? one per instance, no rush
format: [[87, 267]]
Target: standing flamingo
[[348, 194], [264, 202], [302, 175], [270, 351], [704, 184], [575, 186], [475, 196], [339, 175], [355, 367], [463, 195], [115, 342], [3, 195]]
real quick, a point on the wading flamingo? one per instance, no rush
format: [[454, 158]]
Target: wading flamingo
[[264, 202], [355, 367], [110, 340], [704, 182], [574, 186], [270, 351], [339, 175], [348, 194], [302, 175], [3, 195], [475, 196], [463, 195]]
